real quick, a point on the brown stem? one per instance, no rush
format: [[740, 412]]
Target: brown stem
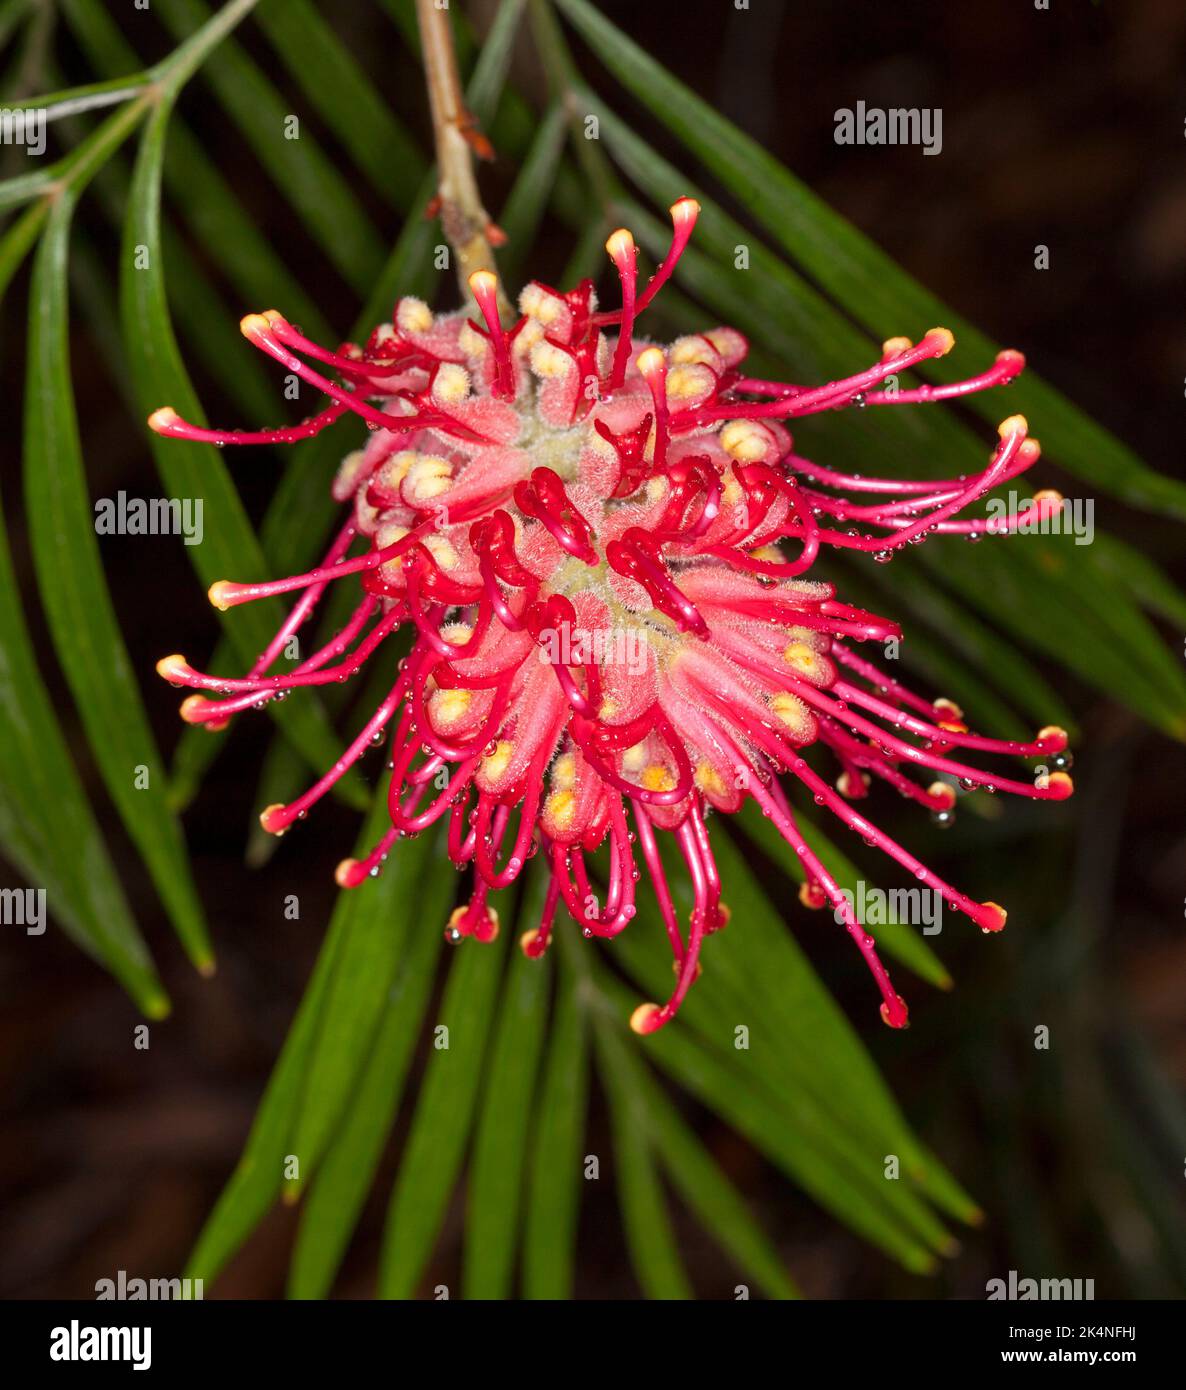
[[464, 220]]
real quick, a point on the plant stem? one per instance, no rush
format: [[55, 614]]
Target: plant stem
[[464, 220]]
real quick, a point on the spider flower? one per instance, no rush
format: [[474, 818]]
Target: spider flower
[[607, 552]]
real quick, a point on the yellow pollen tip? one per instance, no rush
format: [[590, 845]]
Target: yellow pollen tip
[[812, 895], [645, 1018], [1062, 782], [953, 726], [527, 944], [191, 708], [344, 873], [999, 911], [619, 244], [895, 347], [1049, 494], [168, 666], [948, 708], [684, 209], [255, 326], [483, 283], [218, 596], [1013, 424], [163, 419], [268, 814], [945, 339], [942, 791], [650, 361], [1052, 732]]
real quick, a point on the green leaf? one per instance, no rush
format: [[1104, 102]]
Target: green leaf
[[553, 1197], [861, 277], [195, 470], [500, 1158], [341, 1183], [344, 97], [260, 1172], [649, 1237], [443, 1120], [690, 1167], [78, 606], [300, 171], [47, 828], [373, 938]]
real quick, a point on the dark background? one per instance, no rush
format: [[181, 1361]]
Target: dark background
[[1063, 128]]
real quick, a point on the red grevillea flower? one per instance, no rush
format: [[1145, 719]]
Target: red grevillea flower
[[584, 529]]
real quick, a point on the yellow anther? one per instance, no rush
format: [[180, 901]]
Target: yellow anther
[[449, 705], [657, 778], [428, 477], [745, 440], [1013, 424], [802, 657], [412, 315], [709, 780], [560, 808], [495, 764], [451, 383], [945, 337]]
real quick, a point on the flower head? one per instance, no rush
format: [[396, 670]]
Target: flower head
[[607, 550]]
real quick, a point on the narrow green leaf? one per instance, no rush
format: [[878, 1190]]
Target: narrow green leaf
[[553, 1197], [261, 1171], [443, 1120], [344, 97], [691, 1168], [650, 1240], [524, 207], [373, 940], [300, 170], [229, 545], [499, 1163], [47, 828], [856, 272], [341, 1183], [77, 603]]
